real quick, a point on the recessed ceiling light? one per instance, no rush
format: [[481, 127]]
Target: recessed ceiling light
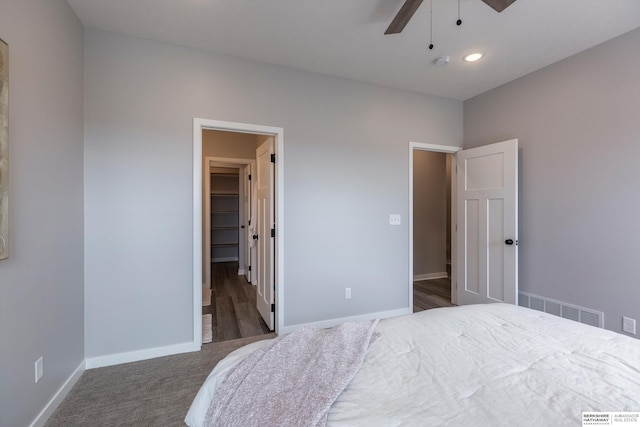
[[472, 57]]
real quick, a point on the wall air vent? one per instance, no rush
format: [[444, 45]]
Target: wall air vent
[[562, 309]]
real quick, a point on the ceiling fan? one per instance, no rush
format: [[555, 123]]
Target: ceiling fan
[[410, 6]]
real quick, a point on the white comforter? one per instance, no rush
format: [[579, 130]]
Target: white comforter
[[483, 365]]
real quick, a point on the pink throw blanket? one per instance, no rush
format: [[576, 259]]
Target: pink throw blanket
[[294, 380]]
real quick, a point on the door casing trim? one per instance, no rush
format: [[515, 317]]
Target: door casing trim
[[227, 162], [199, 125]]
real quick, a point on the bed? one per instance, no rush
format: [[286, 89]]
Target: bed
[[478, 365]]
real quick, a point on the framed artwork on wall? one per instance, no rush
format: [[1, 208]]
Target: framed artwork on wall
[[4, 150]]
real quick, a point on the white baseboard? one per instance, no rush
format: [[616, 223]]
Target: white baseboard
[[430, 276], [135, 356], [57, 398], [333, 322], [240, 272]]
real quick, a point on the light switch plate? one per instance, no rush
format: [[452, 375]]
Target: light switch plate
[[629, 325], [395, 219]]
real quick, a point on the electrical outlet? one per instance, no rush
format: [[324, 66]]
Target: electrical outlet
[[394, 219], [39, 365], [629, 325], [347, 293]]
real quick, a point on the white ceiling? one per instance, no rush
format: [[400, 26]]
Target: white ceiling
[[346, 38]]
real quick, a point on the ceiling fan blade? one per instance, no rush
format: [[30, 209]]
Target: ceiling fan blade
[[499, 5], [404, 15]]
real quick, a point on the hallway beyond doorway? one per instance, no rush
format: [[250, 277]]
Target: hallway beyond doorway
[[233, 305]]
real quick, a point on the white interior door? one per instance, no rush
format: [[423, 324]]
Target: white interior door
[[487, 219], [265, 218], [244, 231]]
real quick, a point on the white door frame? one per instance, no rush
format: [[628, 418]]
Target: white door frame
[[438, 149], [246, 220], [232, 163], [278, 133]]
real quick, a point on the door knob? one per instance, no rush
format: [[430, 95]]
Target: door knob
[[508, 242], [255, 237]]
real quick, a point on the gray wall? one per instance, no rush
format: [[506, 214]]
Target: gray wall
[[577, 122], [429, 212], [41, 284], [141, 98]]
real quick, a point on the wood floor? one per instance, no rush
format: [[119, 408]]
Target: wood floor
[[233, 302], [432, 293], [233, 305]]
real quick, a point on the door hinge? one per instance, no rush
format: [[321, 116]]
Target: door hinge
[[249, 177], [273, 232], [273, 308], [273, 158], [249, 268]]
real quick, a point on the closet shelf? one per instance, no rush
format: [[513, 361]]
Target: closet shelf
[[224, 195], [221, 174]]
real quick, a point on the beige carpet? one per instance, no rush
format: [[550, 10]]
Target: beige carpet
[[206, 297], [207, 330], [154, 392]]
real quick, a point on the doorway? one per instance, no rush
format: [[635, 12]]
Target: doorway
[[203, 252], [484, 222], [431, 230], [226, 206], [437, 255]]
